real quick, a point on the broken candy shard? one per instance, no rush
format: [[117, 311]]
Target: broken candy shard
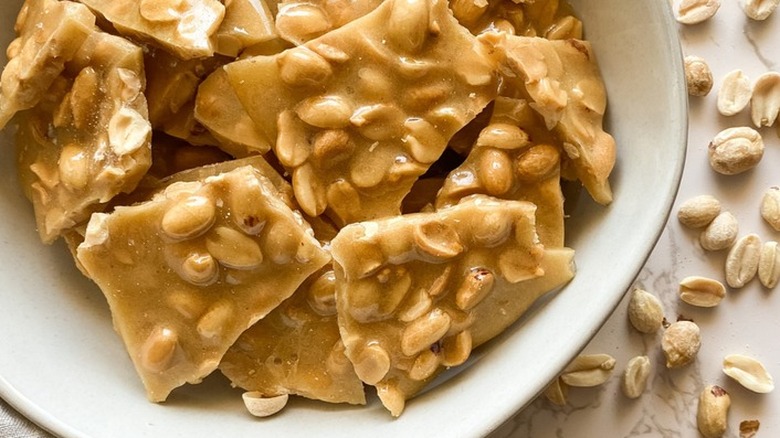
[[416, 293], [563, 83], [184, 28], [218, 109], [188, 271], [297, 349], [246, 23], [89, 138], [357, 115], [514, 158], [49, 34]]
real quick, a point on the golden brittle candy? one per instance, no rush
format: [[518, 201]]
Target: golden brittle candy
[[507, 304], [564, 84], [49, 34], [218, 109], [172, 83], [301, 21], [324, 231], [257, 162], [360, 113], [89, 139], [188, 271], [408, 288], [158, 182], [297, 349], [550, 19], [182, 27], [246, 23], [507, 164]]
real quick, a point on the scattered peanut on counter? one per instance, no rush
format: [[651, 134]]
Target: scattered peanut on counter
[[696, 11], [681, 343], [749, 372], [645, 311], [734, 93], [698, 76], [736, 150], [701, 291], [712, 413]]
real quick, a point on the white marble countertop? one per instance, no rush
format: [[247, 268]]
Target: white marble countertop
[[747, 321]]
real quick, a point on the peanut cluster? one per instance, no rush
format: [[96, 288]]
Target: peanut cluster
[[231, 174]]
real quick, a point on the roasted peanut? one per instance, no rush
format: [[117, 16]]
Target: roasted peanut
[[698, 76], [759, 9], [736, 150], [260, 406], [748, 428], [712, 413], [698, 211], [701, 291], [681, 343], [588, 370], [158, 350], [765, 101], [696, 11], [635, 377], [742, 261], [769, 264], [734, 93], [749, 372], [189, 217], [770, 207], [645, 311], [721, 233], [556, 392]]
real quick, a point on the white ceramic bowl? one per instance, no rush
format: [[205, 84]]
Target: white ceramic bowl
[[62, 365]]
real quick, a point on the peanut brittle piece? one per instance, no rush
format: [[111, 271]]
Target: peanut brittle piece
[[152, 185], [246, 23], [324, 231], [514, 158], [563, 82], [301, 21], [357, 115], [218, 109], [297, 349], [507, 304], [188, 271], [257, 162], [408, 288], [182, 27], [551, 19], [89, 139], [172, 83], [49, 34]]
